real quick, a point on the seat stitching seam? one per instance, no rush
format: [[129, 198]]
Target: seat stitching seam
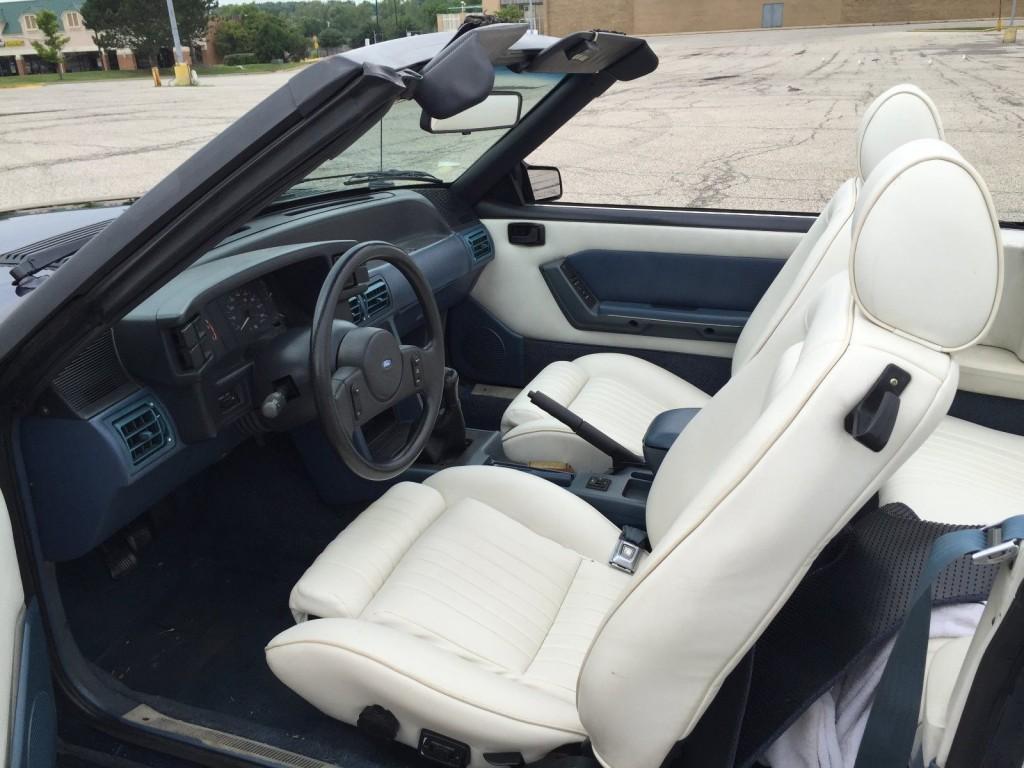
[[554, 620], [481, 574], [525, 651]]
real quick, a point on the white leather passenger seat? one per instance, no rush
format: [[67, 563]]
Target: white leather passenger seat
[[620, 394], [480, 605]]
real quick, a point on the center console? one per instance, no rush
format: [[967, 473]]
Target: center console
[[620, 494]]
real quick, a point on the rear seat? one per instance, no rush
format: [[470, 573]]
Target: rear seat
[[963, 474]]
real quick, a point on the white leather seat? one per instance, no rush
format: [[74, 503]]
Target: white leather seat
[[621, 394], [479, 604], [964, 474]]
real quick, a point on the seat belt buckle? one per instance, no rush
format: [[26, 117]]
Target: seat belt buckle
[[628, 549], [998, 551]]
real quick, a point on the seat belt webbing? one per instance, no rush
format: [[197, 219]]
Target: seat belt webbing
[[892, 725]]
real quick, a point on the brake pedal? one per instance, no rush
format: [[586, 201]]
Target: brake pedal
[[121, 553], [120, 558]]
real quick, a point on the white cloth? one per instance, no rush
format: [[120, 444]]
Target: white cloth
[[828, 734]]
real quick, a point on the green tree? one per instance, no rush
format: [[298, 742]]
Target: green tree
[[510, 13], [331, 38], [251, 29], [232, 36], [142, 25], [50, 47]]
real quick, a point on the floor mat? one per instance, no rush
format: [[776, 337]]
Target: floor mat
[[190, 623]]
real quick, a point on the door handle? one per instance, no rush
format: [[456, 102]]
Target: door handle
[[525, 233]]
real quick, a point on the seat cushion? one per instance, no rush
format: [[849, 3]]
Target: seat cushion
[[963, 474], [618, 394], [462, 605]]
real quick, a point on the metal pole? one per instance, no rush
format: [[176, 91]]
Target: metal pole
[[179, 55], [1013, 13]]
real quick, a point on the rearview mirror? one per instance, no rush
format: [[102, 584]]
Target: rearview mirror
[[544, 182], [499, 111]]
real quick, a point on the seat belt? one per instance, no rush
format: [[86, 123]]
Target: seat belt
[[888, 739]]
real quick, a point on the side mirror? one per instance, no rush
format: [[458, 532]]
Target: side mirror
[[499, 111], [545, 183]]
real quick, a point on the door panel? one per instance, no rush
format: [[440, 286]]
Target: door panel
[[660, 271], [660, 294]]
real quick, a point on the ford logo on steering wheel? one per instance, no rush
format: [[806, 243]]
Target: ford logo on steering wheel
[[386, 363]]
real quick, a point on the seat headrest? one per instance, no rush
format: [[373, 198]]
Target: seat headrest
[[901, 114], [926, 257]]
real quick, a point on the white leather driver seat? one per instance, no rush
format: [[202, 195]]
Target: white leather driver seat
[[621, 394], [480, 605]]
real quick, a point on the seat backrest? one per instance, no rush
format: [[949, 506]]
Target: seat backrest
[[765, 475], [901, 114]]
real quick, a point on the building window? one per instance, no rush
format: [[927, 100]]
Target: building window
[[28, 23], [73, 20]]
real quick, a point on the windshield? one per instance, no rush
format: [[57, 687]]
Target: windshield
[[407, 154]]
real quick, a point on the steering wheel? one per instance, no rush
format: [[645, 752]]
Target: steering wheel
[[360, 372]]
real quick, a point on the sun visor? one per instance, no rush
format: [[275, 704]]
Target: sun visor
[[461, 75], [587, 53]]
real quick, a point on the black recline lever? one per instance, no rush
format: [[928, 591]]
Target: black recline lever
[[620, 454]]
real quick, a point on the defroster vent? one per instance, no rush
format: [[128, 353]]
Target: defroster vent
[[93, 379], [144, 431]]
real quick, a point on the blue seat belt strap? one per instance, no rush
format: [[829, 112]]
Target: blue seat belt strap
[[892, 725]]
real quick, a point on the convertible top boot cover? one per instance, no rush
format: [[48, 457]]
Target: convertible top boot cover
[[621, 394], [480, 605]]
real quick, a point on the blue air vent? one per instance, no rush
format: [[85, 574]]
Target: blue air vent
[[371, 302], [377, 298], [144, 431], [479, 242], [355, 307]]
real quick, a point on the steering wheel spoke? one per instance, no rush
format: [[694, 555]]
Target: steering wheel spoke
[[347, 388], [418, 369]]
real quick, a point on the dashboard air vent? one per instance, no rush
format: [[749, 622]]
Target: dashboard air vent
[[355, 306], [377, 297], [144, 431], [479, 242], [93, 378]]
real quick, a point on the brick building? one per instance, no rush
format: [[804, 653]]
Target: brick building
[[644, 17], [18, 29]]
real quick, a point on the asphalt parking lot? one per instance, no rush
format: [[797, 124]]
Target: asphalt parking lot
[[749, 120]]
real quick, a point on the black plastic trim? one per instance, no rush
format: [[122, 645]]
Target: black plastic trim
[[989, 733], [650, 216]]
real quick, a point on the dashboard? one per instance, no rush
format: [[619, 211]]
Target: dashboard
[[179, 380], [201, 342]]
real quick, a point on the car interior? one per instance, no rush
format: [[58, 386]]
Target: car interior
[[444, 471]]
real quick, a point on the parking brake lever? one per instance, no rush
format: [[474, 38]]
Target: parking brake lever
[[620, 454]]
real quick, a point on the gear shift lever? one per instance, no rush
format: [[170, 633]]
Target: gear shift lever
[[448, 439]]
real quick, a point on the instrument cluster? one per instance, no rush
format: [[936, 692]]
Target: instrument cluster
[[250, 311]]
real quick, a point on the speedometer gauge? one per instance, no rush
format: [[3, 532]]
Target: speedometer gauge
[[249, 310]]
